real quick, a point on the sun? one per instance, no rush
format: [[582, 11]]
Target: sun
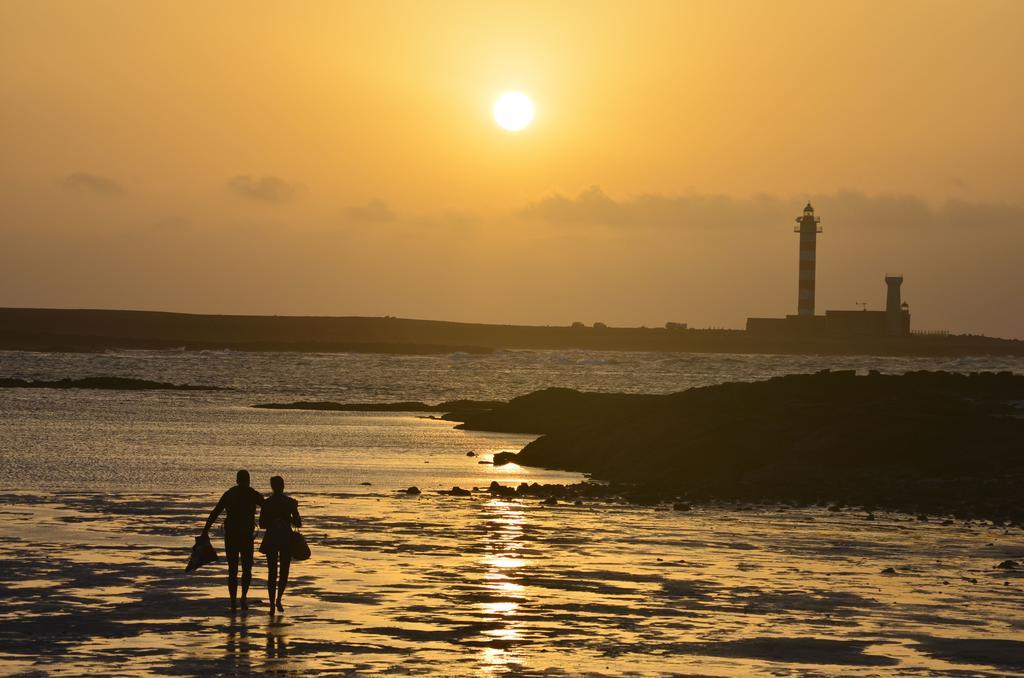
[[513, 111]]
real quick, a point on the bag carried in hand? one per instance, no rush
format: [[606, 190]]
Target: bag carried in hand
[[202, 553], [298, 547]]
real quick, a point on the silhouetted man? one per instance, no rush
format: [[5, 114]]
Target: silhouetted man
[[240, 502]]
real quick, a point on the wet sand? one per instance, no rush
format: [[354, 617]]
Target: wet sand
[[464, 586]]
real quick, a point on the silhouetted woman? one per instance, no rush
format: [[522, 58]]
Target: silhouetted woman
[[279, 513]]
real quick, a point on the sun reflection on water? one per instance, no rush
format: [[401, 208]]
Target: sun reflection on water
[[503, 546]]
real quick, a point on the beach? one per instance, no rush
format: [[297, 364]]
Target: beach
[[464, 586]]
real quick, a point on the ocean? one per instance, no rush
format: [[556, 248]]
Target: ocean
[[103, 492]]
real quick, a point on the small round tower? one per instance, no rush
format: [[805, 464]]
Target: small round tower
[[894, 307]]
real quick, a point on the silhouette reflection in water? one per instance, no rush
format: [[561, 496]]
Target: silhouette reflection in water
[[237, 646], [277, 642]]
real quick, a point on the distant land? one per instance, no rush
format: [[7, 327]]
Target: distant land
[[79, 330]]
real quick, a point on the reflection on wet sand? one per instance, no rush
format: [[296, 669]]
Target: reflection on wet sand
[[277, 642], [237, 645], [500, 557], [464, 586]]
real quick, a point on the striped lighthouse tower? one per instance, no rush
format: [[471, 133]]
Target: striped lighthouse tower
[[808, 230]]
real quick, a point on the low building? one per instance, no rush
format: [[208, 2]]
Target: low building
[[894, 321]]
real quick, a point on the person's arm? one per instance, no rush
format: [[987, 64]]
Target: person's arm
[[216, 512], [296, 518], [264, 519]]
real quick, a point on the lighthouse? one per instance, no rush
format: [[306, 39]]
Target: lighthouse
[[894, 321], [808, 229]]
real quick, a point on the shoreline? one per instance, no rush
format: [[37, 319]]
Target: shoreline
[[92, 330], [460, 583], [923, 443]]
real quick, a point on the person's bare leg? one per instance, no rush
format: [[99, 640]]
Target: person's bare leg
[[271, 580], [286, 561], [232, 575], [246, 558]]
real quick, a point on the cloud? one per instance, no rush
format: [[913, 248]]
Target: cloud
[[449, 219], [591, 206], [266, 189], [91, 183], [374, 211], [378, 216], [594, 207]]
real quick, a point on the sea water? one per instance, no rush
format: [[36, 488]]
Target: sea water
[[103, 492]]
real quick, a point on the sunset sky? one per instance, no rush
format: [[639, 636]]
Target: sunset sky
[[342, 159]]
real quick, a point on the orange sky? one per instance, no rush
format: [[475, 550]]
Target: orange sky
[[340, 158]]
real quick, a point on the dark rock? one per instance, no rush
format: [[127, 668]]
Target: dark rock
[[578, 502], [681, 506], [328, 406], [644, 497], [106, 383], [502, 458], [499, 490], [413, 490], [889, 570], [1009, 565], [485, 462], [885, 442], [550, 501], [365, 483], [471, 454], [459, 492], [455, 410]]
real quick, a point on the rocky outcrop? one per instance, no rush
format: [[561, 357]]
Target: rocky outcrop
[[454, 410], [927, 442], [109, 383]]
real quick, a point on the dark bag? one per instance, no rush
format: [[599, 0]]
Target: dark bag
[[299, 547], [203, 553]]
